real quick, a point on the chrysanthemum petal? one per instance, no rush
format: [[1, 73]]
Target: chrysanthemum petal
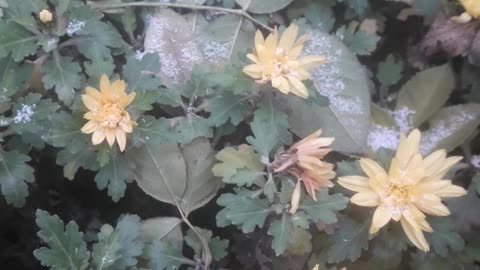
[[381, 217], [372, 168], [90, 102], [312, 61], [259, 40], [254, 71], [298, 88], [281, 83], [98, 136], [121, 139], [432, 205], [89, 127], [355, 183], [367, 198], [415, 235], [104, 84], [271, 42], [407, 147], [447, 164], [94, 93], [451, 191], [295, 201], [288, 37], [110, 135]]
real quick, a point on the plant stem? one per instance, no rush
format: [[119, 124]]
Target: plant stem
[[239, 12]]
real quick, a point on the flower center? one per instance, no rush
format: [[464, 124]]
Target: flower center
[[110, 115], [397, 198]]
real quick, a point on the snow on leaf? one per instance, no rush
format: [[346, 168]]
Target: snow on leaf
[[344, 82], [170, 36]]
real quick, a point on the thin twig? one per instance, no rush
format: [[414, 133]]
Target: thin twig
[[239, 12]]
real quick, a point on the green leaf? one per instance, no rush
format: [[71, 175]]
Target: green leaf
[[426, 93], [128, 230], [465, 210], [444, 237], [343, 80], [270, 129], [450, 127], [240, 167], [71, 162], [105, 252], [388, 246], [320, 15], [170, 36], [232, 79], [348, 241], [359, 42], [218, 247], [188, 128], [65, 132], [31, 113], [21, 11], [199, 84], [262, 6], [167, 229], [281, 230], [13, 77], [172, 174], [389, 73], [300, 242], [66, 249], [14, 172], [225, 107], [116, 174], [360, 6], [140, 73], [65, 75], [163, 255], [153, 131], [103, 64], [16, 40], [427, 8], [324, 209], [244, 211]]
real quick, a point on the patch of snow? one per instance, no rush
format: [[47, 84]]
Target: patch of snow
[[382, 137], [475, 161], [402, 118], [74, 26], [139, 55], [24, 114], [442, 130], [215, 52]]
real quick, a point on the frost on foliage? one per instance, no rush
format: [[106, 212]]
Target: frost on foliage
[[169, 35], [343, 81], [402, 118], [24, 114], [74, 26], [382, 137]]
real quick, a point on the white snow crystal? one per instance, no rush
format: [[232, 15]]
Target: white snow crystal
[[74, 26], [24, 114], [382, 137]]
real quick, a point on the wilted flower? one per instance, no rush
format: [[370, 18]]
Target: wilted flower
[[45, 16], [276, 60], [472, 10], [304, 161], [413, 186], [107, 116]]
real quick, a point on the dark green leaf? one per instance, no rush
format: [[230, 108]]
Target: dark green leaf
[[324, 209], [65, 132], [320, 15], [444, 237], [270, 129], [16, 40], [348, 241], [163, 255], [14, 172], [139, 73], [225, 107], [389, 73], [66, 249], [189, 128], [281, 230], [116, 174], [71, 162], [65, 75], [167, 229], [13, 77]]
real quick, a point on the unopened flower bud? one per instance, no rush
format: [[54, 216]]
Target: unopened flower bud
[[45, 16]]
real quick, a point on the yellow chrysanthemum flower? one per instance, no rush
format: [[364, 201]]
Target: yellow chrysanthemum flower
[[107, 116], [276, 60], [304, 161], [413, 186]]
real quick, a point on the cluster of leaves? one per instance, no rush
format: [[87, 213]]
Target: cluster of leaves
[[203, 124], [155, 243]]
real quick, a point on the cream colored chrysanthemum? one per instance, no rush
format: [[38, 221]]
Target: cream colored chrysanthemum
[[304, 161], [472, 10], [276, 60], [107, 116], [413, 186], [45, 16]]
